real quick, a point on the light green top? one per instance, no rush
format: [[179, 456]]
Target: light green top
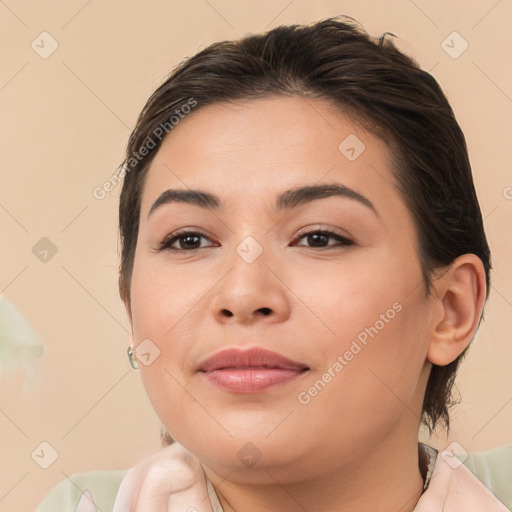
[[493, 468], [65, 495]]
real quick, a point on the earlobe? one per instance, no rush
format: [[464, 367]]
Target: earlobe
[[460, 299]]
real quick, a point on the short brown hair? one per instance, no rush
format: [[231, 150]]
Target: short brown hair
[[380, 88]]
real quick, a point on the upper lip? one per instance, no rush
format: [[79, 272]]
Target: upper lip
[[249, 358]]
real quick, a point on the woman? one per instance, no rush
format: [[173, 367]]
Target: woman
[[303, 266]]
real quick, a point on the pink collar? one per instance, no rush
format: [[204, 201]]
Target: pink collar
[[452, 487]]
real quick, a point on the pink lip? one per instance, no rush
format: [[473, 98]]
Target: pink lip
[[250, 371]]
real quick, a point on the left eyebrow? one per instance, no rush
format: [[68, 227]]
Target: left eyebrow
[[289, 199], [302, 195]]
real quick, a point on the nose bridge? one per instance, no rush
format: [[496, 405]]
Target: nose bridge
[[250, 290], [251, 240]]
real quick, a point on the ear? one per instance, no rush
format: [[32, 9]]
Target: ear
[[459, 297], [125, 297]]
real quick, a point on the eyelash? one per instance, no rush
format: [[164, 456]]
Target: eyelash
[[165, 245]]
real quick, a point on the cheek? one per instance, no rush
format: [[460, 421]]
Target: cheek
[[353, 297], [164, 303], [382, 359], [371, 384], [377, 340], [169, 308]]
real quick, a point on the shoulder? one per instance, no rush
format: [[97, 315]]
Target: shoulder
[[494, 469], [103, 486]]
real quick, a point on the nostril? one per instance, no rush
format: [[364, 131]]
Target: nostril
[[227, 312], [265, 311]]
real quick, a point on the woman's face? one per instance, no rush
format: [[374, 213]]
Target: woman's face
[[348, 309]]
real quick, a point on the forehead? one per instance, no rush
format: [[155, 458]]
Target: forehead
[[254, 149]]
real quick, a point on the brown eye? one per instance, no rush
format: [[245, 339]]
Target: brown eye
[[185, 241], [320, 239]]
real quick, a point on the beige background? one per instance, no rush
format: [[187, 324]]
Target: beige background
[[65, 121]]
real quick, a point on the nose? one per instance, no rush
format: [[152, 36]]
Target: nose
[[251, 292]]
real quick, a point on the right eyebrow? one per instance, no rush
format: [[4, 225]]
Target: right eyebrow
[[194, 197]]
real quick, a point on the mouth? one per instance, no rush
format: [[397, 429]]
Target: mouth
[[250, 371]]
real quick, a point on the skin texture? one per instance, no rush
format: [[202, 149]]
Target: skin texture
[[357, 437]]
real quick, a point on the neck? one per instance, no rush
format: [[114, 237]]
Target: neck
[[386, 478]]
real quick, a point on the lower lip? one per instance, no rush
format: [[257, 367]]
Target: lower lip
[[251, 380]]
